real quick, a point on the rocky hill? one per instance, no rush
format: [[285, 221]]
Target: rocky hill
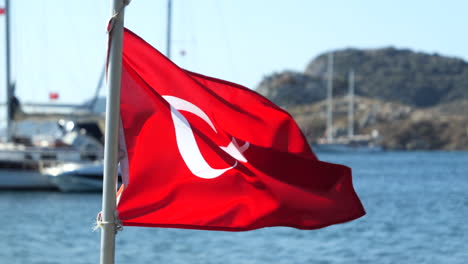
[[404, 76], [415, 100], [389, 74]]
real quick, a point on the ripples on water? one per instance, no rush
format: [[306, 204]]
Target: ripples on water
[[416, 203]]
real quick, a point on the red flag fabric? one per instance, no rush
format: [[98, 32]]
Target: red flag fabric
[[2, 10], [204, 153], [53, 95]]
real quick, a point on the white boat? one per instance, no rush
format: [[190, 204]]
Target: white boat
[[13, 179], [357, 143], [21, 162], [76, 177]]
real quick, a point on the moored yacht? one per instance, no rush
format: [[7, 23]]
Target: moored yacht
[[22, 160], [76, 177]]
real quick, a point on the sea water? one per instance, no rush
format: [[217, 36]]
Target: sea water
[[416, 203]]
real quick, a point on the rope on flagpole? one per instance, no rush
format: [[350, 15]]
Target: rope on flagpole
[[110, 25], [100, 223]]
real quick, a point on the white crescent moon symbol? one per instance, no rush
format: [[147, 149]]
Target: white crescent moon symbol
[[187, 144]]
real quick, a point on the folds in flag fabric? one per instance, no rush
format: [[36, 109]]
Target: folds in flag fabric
[[204, 153]]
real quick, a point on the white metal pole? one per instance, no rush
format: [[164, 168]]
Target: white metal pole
[[330, 99], [169, 29], [111, 134], [9, 92]]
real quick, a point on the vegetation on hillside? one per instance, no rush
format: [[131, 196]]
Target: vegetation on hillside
[[412, 78]]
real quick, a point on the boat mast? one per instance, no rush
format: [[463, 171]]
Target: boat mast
[[329, 99], [93, 102], [8, 87], [351, 105], [169, 25]]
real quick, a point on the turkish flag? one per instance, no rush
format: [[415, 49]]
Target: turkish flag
[[204, 153], [2, 11]]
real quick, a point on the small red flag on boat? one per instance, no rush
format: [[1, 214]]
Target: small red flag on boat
[[2, 10], [204, 153], [53, 96]]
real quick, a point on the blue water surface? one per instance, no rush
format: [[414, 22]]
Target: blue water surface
[[416, 203]]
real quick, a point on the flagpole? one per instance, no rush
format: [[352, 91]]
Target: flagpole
[[169, 29], [108, 217]]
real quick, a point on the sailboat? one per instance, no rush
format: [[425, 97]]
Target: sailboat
[[22, 159], [87, 177], [351, 142]]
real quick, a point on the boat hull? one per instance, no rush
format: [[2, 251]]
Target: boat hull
[[76, 177], [345, 148], [76, 183], [13, 179]]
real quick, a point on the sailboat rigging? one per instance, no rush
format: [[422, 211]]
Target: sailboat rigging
[[351, 105], [73, 176], [350, 142], [22, 159]]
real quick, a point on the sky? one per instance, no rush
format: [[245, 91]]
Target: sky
[[60, 46]]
